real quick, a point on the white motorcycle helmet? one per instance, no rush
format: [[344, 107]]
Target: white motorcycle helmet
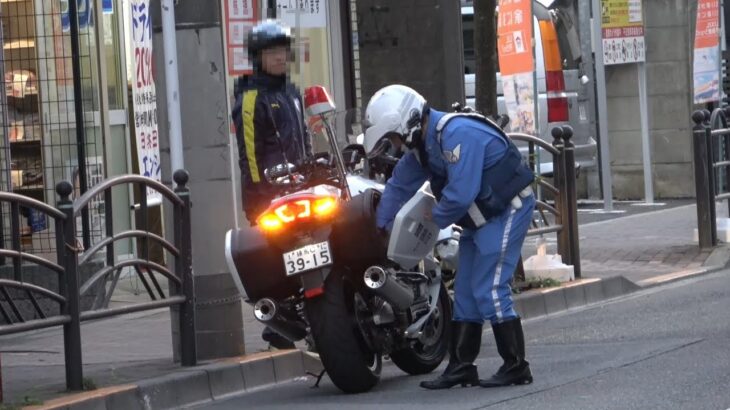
[[395, 109]]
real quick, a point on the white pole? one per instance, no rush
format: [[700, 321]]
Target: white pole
[[645, 135], [172, 85], [606, 179]]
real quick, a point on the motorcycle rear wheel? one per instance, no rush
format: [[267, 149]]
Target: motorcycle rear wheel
[[349, 362], [426, 354]]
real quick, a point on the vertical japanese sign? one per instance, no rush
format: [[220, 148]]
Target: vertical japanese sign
[[517, 63], [622, 24], [240, 17], [707, 52], [145, 96]]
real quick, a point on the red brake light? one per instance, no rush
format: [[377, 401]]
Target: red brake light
[[557, 101], [558, 109]]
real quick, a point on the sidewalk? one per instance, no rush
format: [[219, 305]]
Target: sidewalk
[[647, 248], [638, 246]]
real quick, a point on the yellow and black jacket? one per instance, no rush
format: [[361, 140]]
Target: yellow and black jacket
[[270, 130]]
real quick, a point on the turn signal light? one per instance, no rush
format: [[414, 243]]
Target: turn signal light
[[270, 222], [296, 209], [325, 206]]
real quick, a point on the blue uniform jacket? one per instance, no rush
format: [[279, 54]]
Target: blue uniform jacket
[[467, 148]]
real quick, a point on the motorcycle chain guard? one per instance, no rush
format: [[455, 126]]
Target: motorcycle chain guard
[[414, 235]]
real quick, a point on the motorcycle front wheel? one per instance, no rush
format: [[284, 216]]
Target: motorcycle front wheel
[[427, 352], [350, 363]]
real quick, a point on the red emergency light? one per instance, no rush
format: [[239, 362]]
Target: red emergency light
[[317, 101]]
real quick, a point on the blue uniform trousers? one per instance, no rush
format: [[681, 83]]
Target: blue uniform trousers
[[487, 261]]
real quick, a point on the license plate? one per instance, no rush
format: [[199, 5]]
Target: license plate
[[307, 258]]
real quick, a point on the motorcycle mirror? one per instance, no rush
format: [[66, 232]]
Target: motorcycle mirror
[[317, 101]]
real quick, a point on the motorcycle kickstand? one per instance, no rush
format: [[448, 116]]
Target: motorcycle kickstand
[[319, 377]]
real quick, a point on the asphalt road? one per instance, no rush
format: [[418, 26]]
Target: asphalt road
[[665, 348]]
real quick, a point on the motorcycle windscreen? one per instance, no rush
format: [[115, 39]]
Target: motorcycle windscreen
[[413, 236]]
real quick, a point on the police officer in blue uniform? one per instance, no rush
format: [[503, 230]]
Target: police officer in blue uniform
[[483, 185], [269, 123]]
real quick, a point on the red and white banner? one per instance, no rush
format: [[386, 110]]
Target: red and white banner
[[517, 63], [240, 17], [144, 95]]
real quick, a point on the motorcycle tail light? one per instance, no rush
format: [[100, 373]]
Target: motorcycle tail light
[[269, 222], [324, 207], [297, 209]]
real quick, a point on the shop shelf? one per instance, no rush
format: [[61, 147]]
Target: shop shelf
[[19, 44]]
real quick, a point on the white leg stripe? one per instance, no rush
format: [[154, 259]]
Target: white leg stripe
[[498, 270]]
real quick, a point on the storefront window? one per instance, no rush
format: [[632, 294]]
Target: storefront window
[[39, 139]]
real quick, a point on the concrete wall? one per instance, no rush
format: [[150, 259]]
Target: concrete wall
[[412, 42], [669, 27]]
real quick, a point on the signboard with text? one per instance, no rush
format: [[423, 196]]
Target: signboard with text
[[145, 96], [622, 24], [517, 63], [240, 17], [706, 67], [311, 13]]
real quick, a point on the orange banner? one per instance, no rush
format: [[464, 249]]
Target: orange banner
[[514, 31], [708, 24]]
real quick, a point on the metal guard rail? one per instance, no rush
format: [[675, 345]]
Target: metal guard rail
[[70, 257], [709, 133], [563, 191]]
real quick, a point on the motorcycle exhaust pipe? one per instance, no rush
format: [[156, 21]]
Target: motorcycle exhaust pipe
[[385, 286], [268, 312]]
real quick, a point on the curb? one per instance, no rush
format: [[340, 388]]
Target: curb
[[196, 385], [718, 260], [582, 292], [539, 303]]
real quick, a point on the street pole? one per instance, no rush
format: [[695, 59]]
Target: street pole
[[207, 141], [587, 95], [172, 85], [602, 104], [645, 135]]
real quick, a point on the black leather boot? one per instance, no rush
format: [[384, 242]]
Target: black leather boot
[[466, 338], [511, 347]]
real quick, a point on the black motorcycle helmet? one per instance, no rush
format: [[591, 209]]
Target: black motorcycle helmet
[[267, 34]]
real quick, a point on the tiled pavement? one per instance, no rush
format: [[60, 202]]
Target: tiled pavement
[[638, 246]]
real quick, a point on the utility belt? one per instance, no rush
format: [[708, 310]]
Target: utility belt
[[480, 212]]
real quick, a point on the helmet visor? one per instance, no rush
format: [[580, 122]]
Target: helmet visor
[[381, 147], [373, 134]]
